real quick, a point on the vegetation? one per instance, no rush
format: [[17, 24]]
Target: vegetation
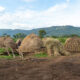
[[6, 57], [62, 39], [2, 50], [40, 55], [19, 35], [42, 33], [5, 34], [54, 30]]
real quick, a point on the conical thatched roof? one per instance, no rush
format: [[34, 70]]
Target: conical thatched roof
[[31, 43], [72, 44], [7, 42]]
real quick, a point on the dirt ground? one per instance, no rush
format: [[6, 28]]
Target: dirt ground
[[58, 68]]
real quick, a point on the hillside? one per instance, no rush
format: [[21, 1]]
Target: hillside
[[51, 31]]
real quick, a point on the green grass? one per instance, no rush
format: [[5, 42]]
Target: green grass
[[2, 50], [40, 55], [6, 57]]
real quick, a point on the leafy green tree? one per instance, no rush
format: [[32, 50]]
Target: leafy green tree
[[19, 35], [42, 33]]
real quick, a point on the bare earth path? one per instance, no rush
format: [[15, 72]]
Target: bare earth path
[[59, 68]]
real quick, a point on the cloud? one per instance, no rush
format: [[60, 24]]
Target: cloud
[[2, 8], [29, 19]]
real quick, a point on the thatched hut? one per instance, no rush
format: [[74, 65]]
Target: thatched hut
[[54, 47], [31, 44], [2, 42], [8, 43], [72, 44]]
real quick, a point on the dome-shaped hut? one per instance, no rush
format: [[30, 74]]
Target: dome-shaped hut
[[72, 44], [2, 42], [54, 47], [31, 44], [8, 43]]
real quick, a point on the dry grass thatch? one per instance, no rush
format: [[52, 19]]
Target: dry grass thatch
[[54, 47], [7, 42], [72, 44], [31, 44], [2, 42]]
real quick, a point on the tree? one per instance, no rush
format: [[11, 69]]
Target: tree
[[42, 33], [19, 35]]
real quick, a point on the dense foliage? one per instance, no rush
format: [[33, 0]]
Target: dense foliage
[[19, 35]]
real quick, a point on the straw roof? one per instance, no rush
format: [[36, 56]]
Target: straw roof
[[31, 43], [72, 44]]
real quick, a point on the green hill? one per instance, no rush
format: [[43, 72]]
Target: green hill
[[51, 31]]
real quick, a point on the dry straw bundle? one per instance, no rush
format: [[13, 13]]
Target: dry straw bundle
[[54, 47], [72, 44]]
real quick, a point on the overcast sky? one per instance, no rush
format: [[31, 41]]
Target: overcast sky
[[29, 14]]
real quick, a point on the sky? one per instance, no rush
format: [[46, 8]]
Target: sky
[[31, 14]]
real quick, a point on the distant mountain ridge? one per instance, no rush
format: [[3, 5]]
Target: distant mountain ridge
[[51, 31]]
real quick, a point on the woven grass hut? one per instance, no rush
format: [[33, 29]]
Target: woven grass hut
[[72, 44], [2, 42], [31, 44], [8, 43], [54, 47]]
